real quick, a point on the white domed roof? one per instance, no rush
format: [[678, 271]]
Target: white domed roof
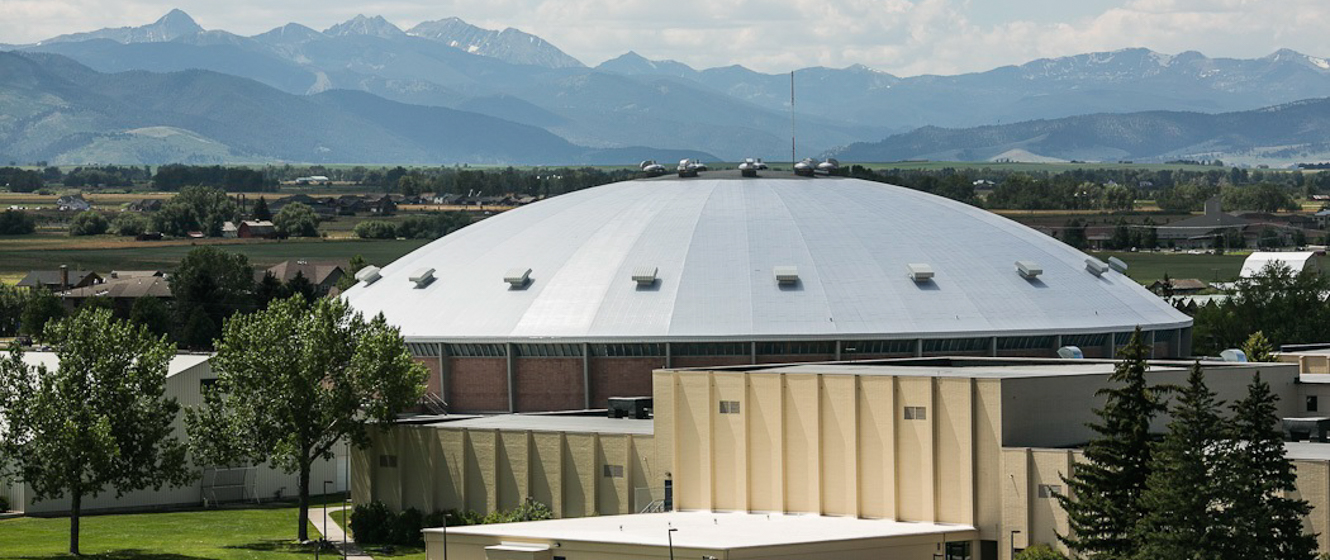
[[715, 244]]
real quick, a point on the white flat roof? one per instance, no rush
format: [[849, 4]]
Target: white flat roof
[[179, 362], [977, 368], [1307, 450], [709, 530], [552, 423]]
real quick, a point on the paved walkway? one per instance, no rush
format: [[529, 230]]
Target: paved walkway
[[335, 534]]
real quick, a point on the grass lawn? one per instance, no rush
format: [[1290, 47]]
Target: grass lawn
[[263, 533], [24, 253], [1148, 267]]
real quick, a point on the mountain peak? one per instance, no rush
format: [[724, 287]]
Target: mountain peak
[[290, 33], [175, 24], [510, 45], [633, 64], [361, 25], [178, 17]]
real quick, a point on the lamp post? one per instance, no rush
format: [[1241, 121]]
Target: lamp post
[[669, 535], [325, 513], [445, 535], [1014, 532]]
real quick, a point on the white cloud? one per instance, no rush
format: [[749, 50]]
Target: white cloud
[[901, 36]]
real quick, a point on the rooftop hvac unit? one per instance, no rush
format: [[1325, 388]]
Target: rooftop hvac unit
[[786, 275], [748, 168], [518, 277], [1233, 355], [645, 275], [1096, 266], [919, 272], [1071, 353], [829, 166], [1117, 264], [1028, 269], [422, 277], [805, 168], [368, 275]]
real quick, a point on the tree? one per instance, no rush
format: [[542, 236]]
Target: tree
[[130, 224], [1263, 520], [349, 279], [268, 290], [100, 421], [296, 379], [16, 222], [12, 302], [1257, 348], [89, 222], [1040, 552], [153, 314], [1073, 233], [42, 308], [375, 229], [1181, 498], [1104, 501], [195, 209], [1288, 307], [209, 286], [297, 220], [261, 211], [298, 285]]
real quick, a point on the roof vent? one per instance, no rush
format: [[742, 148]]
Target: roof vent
[[829, 166], [1028, 270], [1071, 353], [919, 272], [518, 277], [748, 168], [786, 275], [805, 168], [368, 275], [690, 167], [645, 275], [1117, 264], [422, 277], [652, 168], [1233, 355], [1096, 266]]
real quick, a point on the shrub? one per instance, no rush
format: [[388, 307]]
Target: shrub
[[372, 523], [89, 222], [4, 504], [375, 229], [530, 510], [16, 222], [406, 528], [130, 224], [1040, 552]]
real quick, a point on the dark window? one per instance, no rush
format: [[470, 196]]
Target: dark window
[[958, 550], [729, 407], [711, 349], [627, 350], [1312, 404], [949, 345], [851, 347], [613, 471], [1025, 342], [796, 348], [1049, 490], [916, 413], [549, 350]]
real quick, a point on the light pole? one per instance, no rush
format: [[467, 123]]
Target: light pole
[[669, 535], [325, 513], [445, 535], [1014, 532]]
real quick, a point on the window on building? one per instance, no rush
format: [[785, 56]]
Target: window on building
[[916, 413], [729, 407], [1312, 404], [1049, 490], [613, 471], [388, 461], [958, 550]]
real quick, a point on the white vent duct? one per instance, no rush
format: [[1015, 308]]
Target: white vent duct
[[1117, 264], [517, 277], [829, 166], [368, 275], [422, 277], [1233, 355], [919, 272], [1096, 266], [1028, 270], [1071, 353], [786, 275], [645, 275]]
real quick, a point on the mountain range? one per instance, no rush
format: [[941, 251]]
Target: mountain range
[[731, 112]]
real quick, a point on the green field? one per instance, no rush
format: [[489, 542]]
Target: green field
[[261, 533], [1148, 267], [18, 256]]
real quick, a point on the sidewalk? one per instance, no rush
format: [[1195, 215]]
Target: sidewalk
[[320, 516]]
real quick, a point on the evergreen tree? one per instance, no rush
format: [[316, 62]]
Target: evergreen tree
[[261, 211], [1257, 348], [1181, 496], [1104, 499], [1264, 522]]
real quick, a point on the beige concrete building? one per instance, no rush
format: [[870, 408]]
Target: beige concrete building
[[959, 457], [188, 376]]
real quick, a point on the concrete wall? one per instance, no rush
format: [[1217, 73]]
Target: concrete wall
[[440, 467]]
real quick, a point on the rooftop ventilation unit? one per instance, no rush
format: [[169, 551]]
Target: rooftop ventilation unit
[[1096, 266], [689, 168], [1071, 353], [1233, 355], [645, 275], [919, 272], [829, 166], [1028, 270], [518, 277], [805, 168], [1117, 264], [652, 169], [748, 168], [786, 275], [422, 277], [369, 274], [760, 164]]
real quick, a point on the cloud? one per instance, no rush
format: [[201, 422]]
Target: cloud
[[906, 37]]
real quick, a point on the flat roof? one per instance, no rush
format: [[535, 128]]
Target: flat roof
[[178, 363], [570, 423], [979, 368], [709, 530], [1307, 450]]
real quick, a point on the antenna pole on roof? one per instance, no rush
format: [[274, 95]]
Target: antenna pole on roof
[[793, 158]]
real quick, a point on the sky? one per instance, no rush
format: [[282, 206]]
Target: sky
[[904, 37]]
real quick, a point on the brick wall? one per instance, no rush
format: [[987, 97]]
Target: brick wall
[[621, 377], [545, 384], [478, 384]]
